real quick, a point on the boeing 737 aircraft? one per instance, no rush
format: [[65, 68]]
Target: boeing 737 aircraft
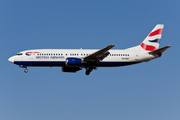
[[73, 60]]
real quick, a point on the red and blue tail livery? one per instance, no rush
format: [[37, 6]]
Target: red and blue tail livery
[[157, 32], [73, 60], [151, 42]]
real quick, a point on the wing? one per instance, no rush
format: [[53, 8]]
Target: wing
[[98, 55]]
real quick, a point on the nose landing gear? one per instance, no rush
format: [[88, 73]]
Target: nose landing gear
[[26, 70], [24, 66]]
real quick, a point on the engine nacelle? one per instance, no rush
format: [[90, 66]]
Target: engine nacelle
[[70, 69], [73, 61]]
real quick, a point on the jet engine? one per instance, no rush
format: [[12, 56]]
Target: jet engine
[[73, 62], [70, 69]]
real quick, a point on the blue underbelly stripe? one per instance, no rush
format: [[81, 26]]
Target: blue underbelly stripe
[[62, 63], [40, 63]]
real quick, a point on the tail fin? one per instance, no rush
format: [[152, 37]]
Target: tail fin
[[151, 42]]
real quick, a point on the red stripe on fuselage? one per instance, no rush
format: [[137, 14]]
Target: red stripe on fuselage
[[32, 52], [28, 52], [148, 47], [157, 32]]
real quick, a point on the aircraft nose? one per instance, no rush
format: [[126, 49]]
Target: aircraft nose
[[11, 59]]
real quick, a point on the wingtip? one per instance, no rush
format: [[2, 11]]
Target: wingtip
[[111, 45], [169, 46]]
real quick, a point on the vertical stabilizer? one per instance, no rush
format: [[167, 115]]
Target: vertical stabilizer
[[151, 42]]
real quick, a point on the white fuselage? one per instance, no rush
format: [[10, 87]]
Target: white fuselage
[[73, 60], [57, 57]]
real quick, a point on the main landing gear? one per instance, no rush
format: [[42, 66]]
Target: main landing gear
[[89, 69]]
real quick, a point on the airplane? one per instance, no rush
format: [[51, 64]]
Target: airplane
[[73, 60]]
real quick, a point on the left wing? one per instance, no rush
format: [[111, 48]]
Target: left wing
[[99, 55]]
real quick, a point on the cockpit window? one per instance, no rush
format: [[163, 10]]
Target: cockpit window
[[19, 54]]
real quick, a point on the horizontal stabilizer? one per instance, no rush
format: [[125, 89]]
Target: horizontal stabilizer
[[161, 50]]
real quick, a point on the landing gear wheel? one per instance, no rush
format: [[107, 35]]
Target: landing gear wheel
[[25, 70], [87, 72]]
